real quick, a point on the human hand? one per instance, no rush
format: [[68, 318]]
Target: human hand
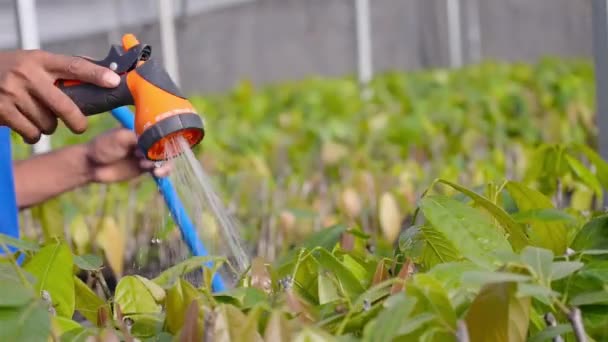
[[30, 103], [114, 157]]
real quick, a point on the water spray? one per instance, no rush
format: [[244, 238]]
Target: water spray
[[162, 117]]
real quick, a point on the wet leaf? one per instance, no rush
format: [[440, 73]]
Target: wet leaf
[[390, 217], [517, 235], [469, 230], [52, 267], [437, 248], [497, 314]]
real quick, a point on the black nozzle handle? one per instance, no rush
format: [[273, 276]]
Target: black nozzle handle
[[92, 99]]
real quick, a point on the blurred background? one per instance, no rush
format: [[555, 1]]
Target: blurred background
[[324, 112]]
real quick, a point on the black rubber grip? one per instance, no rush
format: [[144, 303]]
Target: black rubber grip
[[92, 99]]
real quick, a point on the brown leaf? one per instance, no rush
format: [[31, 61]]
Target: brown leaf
[[190, 331], [260, 278], [102, 316], [404, 274], [108, 335], [347, 241], [297, 307], [278, 328], [381, 273]]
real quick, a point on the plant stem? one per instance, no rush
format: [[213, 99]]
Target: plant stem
[[462, 333], [102, 281], [576, 319]]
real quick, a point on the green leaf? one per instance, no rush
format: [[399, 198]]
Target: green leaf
[[30, 322], [497, 314], [541, 293], [544, 215], [134, 297], [562, 269], [468, 229], [179, 297], [347, 279], [20, 244], [599, 163], [437, 248], [593, 235], [78, 335], [590, 298], [88, 262], [385, 327], [413, 323], [61, 325], [554, 235], [327, 289], [432, 297], [540, 260], [14, 294], [488, 277], [551, 332], [586, 176], [86, 301], [155, 290], [52, 266], [146, 324], [169, 276], [517, 236]]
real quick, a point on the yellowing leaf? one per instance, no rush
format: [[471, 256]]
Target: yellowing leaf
[[498, 315], [550, 235], [179, 297], [87, 302], [156, 291], [112, 240], [80, 234], [134, 297], [390, 217]]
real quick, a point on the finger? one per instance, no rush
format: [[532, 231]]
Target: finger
[[114, 145], [20, 124], [163, 171], [38, 114], [59, 103], [78, 68], [120, 171]]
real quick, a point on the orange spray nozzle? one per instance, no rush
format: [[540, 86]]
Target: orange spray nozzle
[[162, 113]]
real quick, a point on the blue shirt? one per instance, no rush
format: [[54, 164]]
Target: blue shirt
[[9, 219]]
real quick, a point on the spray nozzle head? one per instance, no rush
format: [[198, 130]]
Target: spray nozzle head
[[158, 141], [162, 113]]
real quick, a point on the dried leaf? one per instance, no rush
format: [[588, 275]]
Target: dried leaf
[[332, 152], [347, 241], [190, 331], [390, 217], [404, 274], [381, 273]]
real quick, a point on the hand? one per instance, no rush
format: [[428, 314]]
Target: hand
[[30, 103], [114, 157]]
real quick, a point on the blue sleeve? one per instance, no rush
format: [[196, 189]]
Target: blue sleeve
[[9, 219]]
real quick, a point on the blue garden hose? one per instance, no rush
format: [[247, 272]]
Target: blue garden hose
[[179, 214]]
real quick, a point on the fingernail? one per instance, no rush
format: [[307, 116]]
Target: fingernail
[[111, 78]]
